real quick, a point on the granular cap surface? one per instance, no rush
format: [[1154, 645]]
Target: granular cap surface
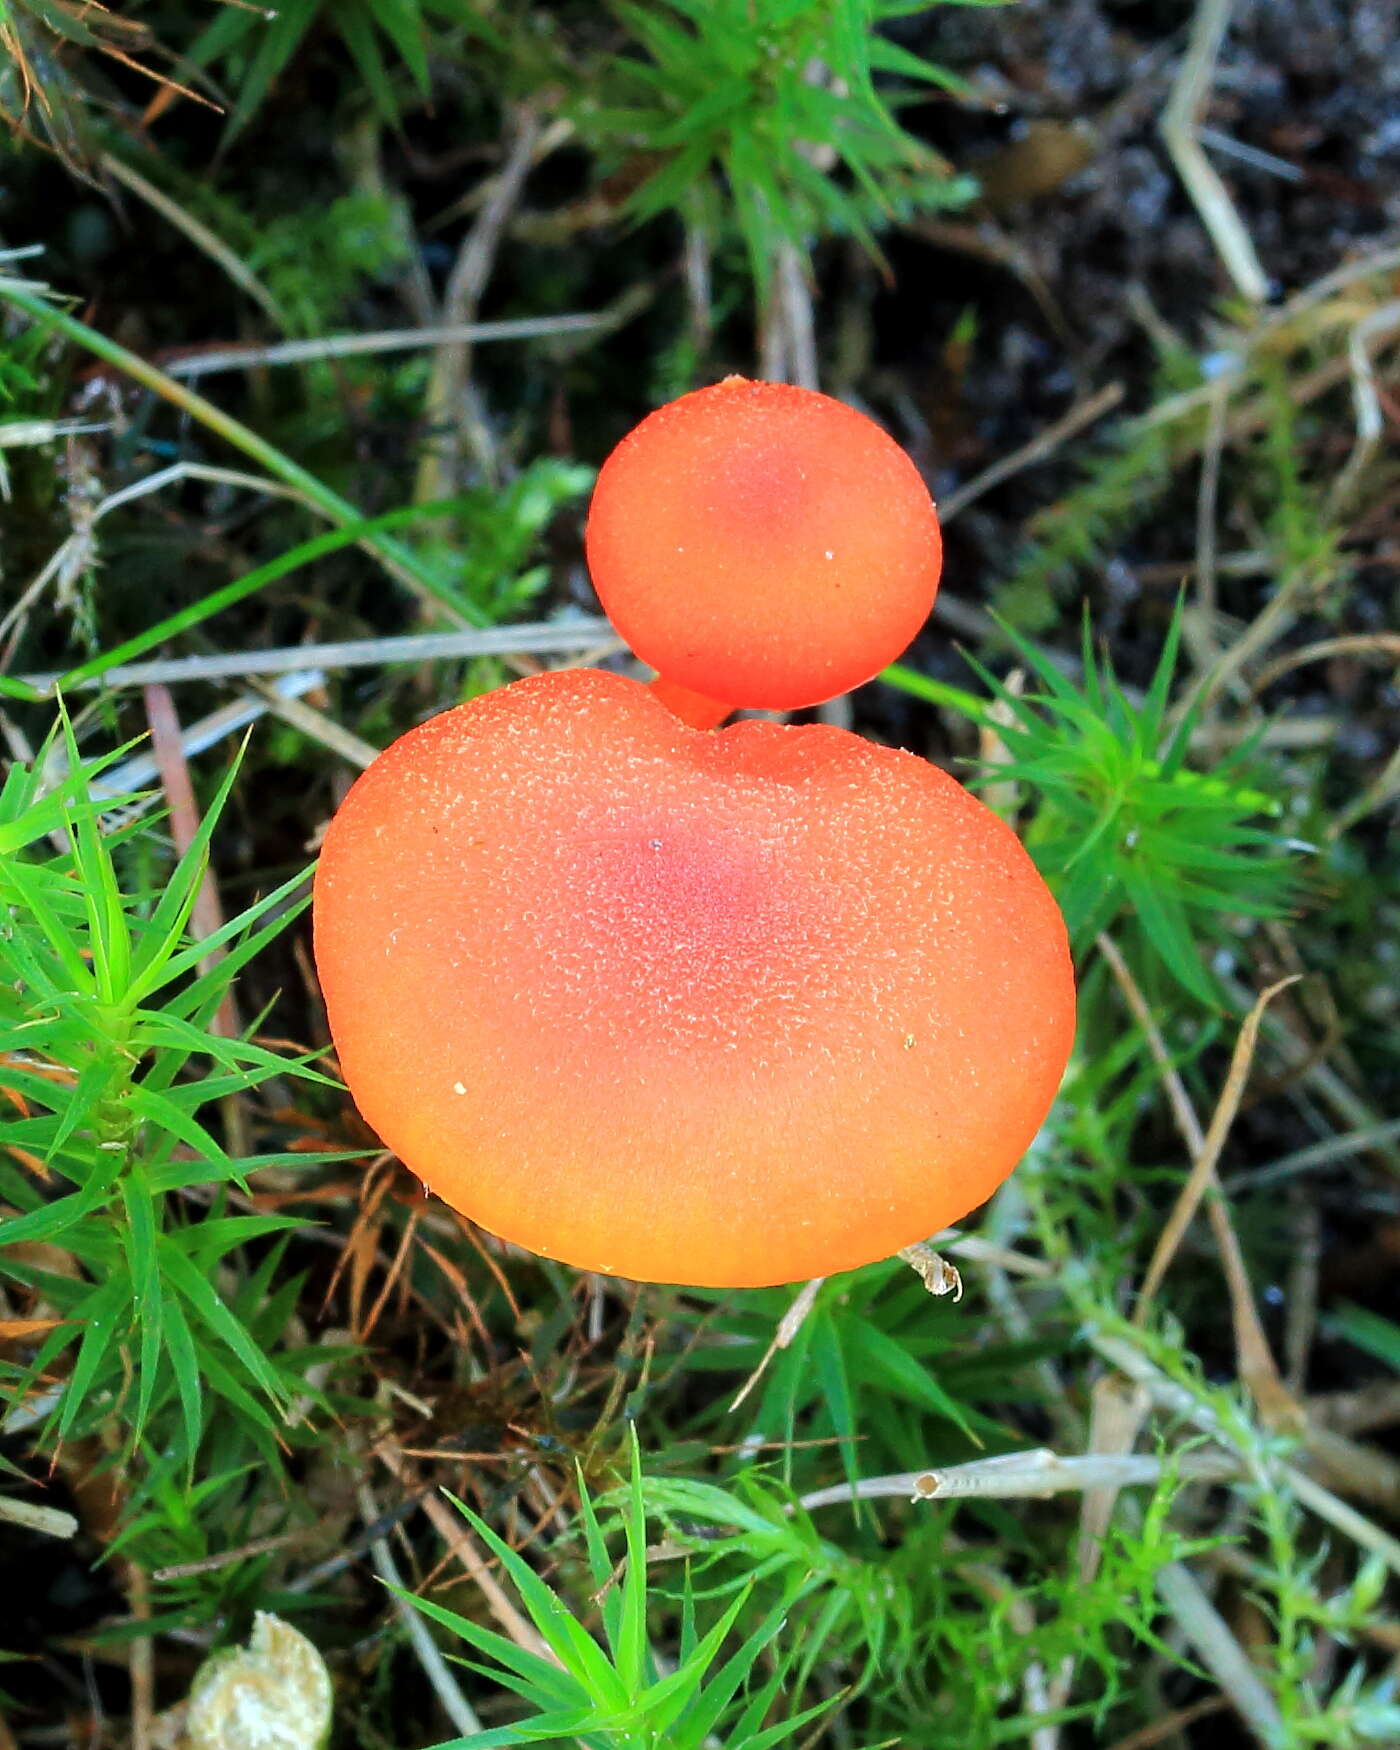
[[763, 544], [724, 1008]]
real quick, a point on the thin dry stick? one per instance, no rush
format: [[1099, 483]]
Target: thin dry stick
[[141, 1661], [227, 1558], [1364, 1473], [1256, 1363], [1268, 626], [340, 346], [207, 915], [788, 1327], [455, 1705], [983, 1251], [1118, 1410], [48, 1521], [1219, 1651], [315, 724], [199, 234], [787, 343], [437, 468], [1302, 388], [1039, 449], [1173, 1725], [1344, 1518], [1024, 1476], [1303, 1060], [1353, 644], [140, 770], [1202, 1176], [1180, 120], [1206, 505], [1370, 422], [548, 637], [456, 1534], [1357, 1412]]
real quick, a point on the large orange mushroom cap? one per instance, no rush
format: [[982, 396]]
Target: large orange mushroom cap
[[763, 545], [723, 1008]]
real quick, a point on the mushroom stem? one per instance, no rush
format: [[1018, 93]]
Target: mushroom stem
[[695, 710]]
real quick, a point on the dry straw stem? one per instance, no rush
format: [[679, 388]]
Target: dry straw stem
[[1303, 320], [1378, 794], [137, 773], [227, 1558], [456, 1534], [1386, 644], [787, 335], [339, 346], [317, 726], [1279, 612], [588, 633], [1218, 1650], [1035, 1475], [198, 233], [1206, 502], [1366, 400], [979, 1250], [1303, 1061], [30, 1516], [788, 1327], [141, 1660], [1172, 1725], [447, 386], [1180, 121], [1118, 1410], [1202, 1176], [1255, 1360], [1039, 449], [455, 1705]]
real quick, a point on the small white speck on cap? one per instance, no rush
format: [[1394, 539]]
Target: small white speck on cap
[[830, 554], [459, 1088]]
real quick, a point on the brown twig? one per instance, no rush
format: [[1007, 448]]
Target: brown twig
[[1257, 1367], [260, 1546], [1173, 1724], [141, 1660], [1040, 448], [456, 1534], [1202, 1177], [1354, 644]]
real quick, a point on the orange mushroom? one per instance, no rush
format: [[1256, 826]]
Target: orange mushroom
[[725, 1008], [762, 545]]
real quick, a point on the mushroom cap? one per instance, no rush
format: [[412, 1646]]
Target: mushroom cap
[[727, 1008], [763, 544]]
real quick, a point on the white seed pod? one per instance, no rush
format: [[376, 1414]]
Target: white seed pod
[[273, 1694]]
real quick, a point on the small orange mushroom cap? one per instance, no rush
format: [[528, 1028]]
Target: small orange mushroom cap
[[726, 1007], [763, 545]]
